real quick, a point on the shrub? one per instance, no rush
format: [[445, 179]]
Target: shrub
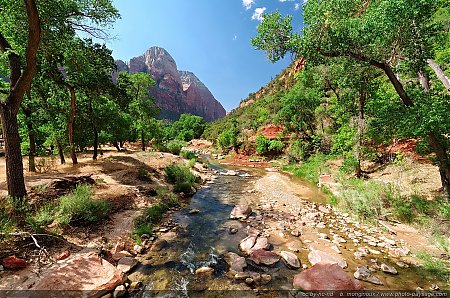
[[143, 174], [262, 145], [80, 207], [7, 225], [276, 146], [179, 173], [167, 197], [227, 139], [141, 230], [175, 146], [184, 187], [312, 168], [188, 154]]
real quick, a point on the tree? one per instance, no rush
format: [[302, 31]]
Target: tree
[[142, 107], [20, 81], [392, 36]]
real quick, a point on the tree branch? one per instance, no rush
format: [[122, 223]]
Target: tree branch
[[439, 73]]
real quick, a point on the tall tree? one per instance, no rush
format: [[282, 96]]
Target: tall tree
[[20, 81]]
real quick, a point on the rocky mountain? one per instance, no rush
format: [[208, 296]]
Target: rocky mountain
[[176, 92]]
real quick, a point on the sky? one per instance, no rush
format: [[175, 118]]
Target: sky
[[211, 38]]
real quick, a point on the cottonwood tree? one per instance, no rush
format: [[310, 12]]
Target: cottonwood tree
[[393, 36]]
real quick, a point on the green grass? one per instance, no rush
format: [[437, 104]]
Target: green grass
[[7, 224], [436, 267], [181, 177], [188, 154], [311, 169], [175, 146], [77, 207], [143, 174]]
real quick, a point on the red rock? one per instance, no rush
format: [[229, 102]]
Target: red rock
[[264, 257], [63, 255], [125, 264], [290, 259], [14, 262], [119, 255], [261, 243], [326, 277], [236, 262], [86, 272]]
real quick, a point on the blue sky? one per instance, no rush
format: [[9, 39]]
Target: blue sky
[[208, 37]]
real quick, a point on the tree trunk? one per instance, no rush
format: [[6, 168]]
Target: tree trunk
[[73, 106], [443, 161], [424, 81], [32, 153], [94, 130], [439, 73], [60, 152], [397, 85], [143, 140], [14, 165], [116, 144], [360, 133]]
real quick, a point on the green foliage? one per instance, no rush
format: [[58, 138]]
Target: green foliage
[[312, 168], [434, 266], [80, 207], [181, 177], [276, 146], [175, 146], [7, 224], [262, 145], [143, 174], [227, 139], [188, 154], [187, 127]]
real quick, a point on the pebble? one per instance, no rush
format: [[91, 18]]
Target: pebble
[[388, 269], [120, 291], [363, 273], [402, 265]]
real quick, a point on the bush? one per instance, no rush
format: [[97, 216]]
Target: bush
[[80, 207], [312, 168], [227, 139], [262, 145], [143, 174], [298, 151], [188, 154], [184, 187], [175, 146], [167, 197], [276, 146], [7, 225], [179, 173]]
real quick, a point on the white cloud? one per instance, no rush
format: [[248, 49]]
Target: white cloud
[[248, 3], [297, 6], [235, 37], [258, 14]]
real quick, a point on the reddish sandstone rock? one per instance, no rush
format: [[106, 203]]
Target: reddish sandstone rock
[[264, 257], [261, 243], [290, 259], [14, 262], [86, 272], [247, 244], [63, 255], [326, 277]]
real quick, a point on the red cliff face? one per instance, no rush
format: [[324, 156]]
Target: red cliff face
[[175, 92]]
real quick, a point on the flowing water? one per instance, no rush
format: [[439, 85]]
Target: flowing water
[[201, 239]]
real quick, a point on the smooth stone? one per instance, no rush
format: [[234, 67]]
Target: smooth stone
[[120, 291], [264, 257], [364, 274], [247, 243], [236, 262], [326, 276], [388, 269], [240, 212], [125, 264], [316, 256], [261, 243], [290, 259], [204, 271]]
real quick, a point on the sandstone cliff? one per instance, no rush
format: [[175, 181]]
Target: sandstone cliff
[[176, 92]]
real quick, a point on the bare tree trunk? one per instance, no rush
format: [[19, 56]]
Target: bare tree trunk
[[14, 165], [116, 144], [32, 153], [443, 161], [424, 81], [19, 83], [143, 140], [439, 73], [60, 152], [73, 106], [360, 133], [94, 130]]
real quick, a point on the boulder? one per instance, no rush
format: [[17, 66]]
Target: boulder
[[247, 243], [326, 277], [317, 256], [126, 264], [204, 271], [240, 212], [236, 262], [264, 257], [364, 274], [86, 272], [290, 259], [388, 269], [159, 245], [261, 243], [120, 291], [13, 262]]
